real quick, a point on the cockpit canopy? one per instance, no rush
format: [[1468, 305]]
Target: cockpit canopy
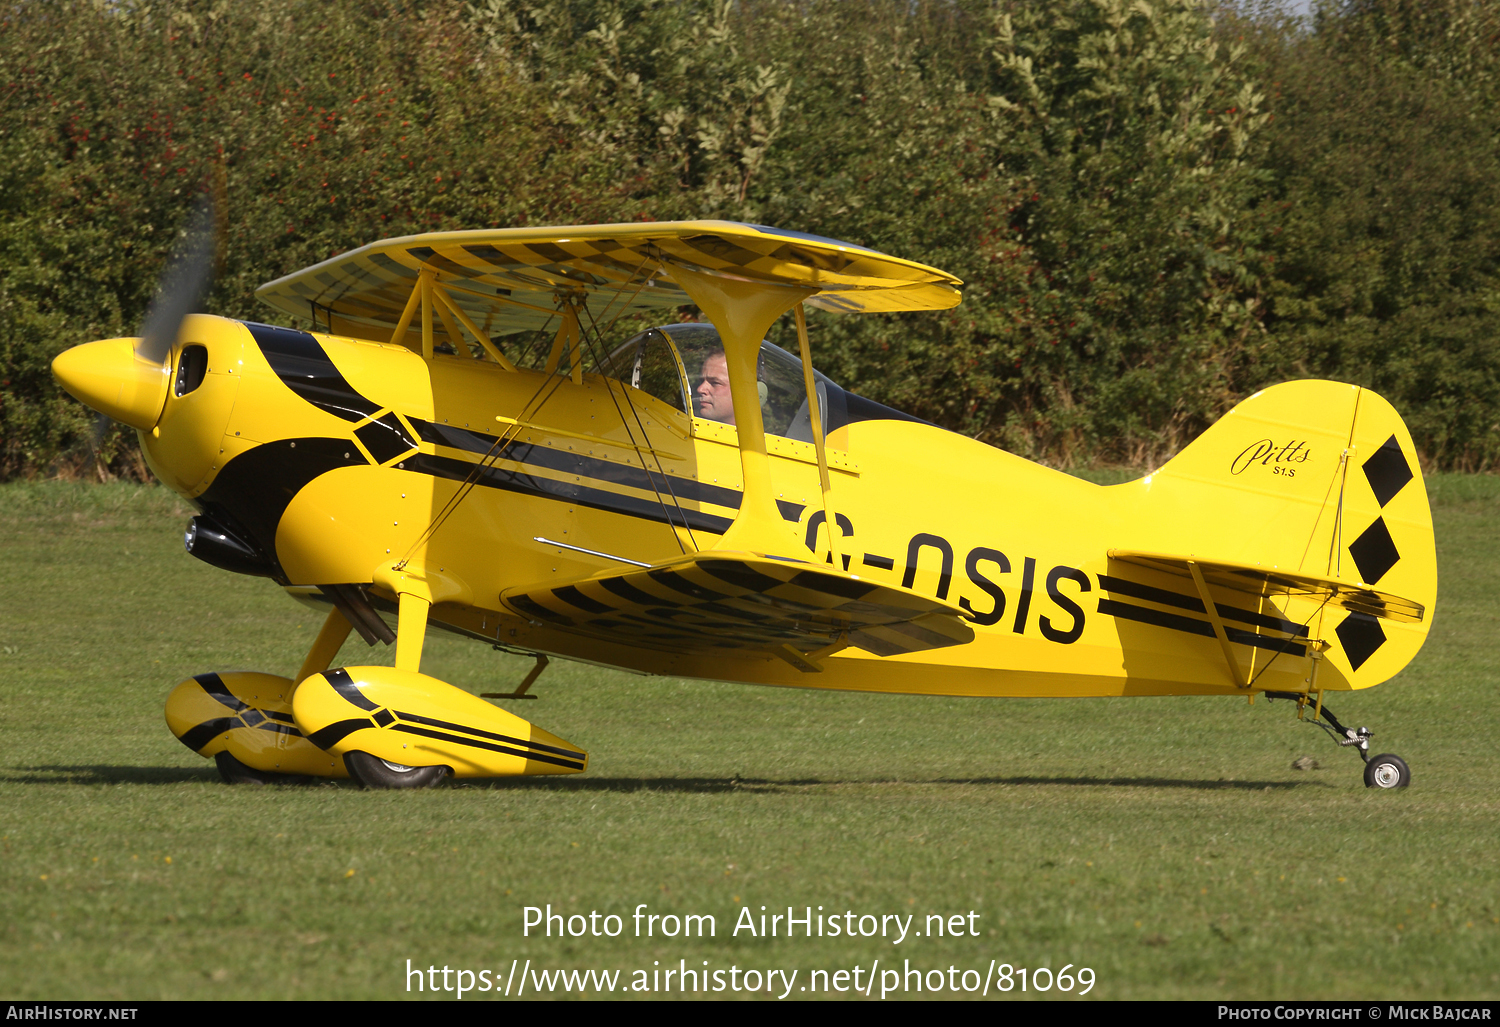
[[668, 362]]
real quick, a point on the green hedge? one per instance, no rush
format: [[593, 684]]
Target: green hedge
[[1157, 208]]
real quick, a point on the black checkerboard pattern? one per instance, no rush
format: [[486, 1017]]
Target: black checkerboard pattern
[[513, 280], [711, 603]]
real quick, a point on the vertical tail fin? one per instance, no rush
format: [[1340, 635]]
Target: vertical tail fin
[[1315, 478]]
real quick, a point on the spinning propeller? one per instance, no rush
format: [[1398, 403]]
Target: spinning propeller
[[126, 379], [183, 287]]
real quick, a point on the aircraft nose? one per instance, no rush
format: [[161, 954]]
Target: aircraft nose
[[108, 377]]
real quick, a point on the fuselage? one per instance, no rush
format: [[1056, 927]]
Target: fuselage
[[328, 457]]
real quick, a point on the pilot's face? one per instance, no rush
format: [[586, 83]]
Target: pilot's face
[[711, 398]]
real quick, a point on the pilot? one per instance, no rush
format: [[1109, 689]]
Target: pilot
[[711, 399]]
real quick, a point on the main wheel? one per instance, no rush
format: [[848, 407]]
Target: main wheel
[[374, 772], [1387, 771], [236, 773]]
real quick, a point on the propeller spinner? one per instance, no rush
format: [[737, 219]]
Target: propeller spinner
[[127, 379]]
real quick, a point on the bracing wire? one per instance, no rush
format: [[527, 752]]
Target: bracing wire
[[502, 441], [532, 406], [1287, 642], [599, 357], [656, 458]]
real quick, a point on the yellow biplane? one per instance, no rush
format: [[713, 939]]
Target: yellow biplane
[[463, 442]]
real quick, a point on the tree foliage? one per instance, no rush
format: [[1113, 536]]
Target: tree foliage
[[1157, 207]]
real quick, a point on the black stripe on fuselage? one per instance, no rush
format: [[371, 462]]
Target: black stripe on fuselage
[[672, 488], [1159, 618], [256, 486], [1193, 626], [569, 492], [552, 459], [1137, 590], [305, 368]]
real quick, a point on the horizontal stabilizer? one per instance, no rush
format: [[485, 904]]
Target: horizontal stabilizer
[[1258, 580], [715, 602]]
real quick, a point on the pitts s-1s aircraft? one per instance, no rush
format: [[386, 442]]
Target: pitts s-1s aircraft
[[459, 445]]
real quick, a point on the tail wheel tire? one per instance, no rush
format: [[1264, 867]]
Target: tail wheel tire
[[236, 773], [374, 772], [1387, 771]]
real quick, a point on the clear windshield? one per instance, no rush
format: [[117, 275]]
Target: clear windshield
[[783, 397], [649, 362], [682, 364]]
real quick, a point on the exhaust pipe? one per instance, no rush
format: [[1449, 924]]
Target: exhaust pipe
[[210, 541]]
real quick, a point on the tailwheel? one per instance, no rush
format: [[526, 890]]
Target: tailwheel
[[374, 772], [1387, 771], [1383, 771], [236, 773]]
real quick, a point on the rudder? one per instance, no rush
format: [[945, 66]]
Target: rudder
[[1319, 478]]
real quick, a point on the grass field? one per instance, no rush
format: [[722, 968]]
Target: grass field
[[1166, 844]]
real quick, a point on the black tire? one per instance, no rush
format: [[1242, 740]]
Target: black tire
[[236, 773], [373, 772], [1387, 771]]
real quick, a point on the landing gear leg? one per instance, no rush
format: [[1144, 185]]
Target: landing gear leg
[[325, 647], [1383, 771], [372, 771]]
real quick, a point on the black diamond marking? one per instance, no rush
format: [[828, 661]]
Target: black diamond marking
[[385, 438], [1374, 553], [1360, 635], [1388, 471]]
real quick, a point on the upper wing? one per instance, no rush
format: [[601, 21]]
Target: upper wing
[[511, 280], [1257, 580], [714, 602]]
